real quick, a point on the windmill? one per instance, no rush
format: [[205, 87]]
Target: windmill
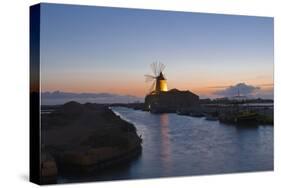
[[159, 81]]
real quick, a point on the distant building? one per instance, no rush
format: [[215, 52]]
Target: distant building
[[170, 101], [160, 99]]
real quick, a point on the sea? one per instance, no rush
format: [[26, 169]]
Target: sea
[[175, 145]]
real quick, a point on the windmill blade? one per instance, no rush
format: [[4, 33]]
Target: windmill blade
[[152, 87], [149, 78], [158, 68], [162, 67], [153, 68]]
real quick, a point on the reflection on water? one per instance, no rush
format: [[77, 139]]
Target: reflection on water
[[176, 145], [165, 146]]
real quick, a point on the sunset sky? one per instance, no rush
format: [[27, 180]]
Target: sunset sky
[[95, 49]]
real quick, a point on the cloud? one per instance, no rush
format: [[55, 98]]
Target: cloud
[[242, 88], [58, 97], [265, 94]]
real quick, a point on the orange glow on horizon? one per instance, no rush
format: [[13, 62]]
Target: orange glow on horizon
[[137, 86]]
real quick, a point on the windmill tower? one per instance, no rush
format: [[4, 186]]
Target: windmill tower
[[159, 81]]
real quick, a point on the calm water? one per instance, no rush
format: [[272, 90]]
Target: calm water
[[176, 145]]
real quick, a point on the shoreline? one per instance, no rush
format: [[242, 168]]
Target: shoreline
[[84, 138], [229, 114], [234, 115], [83, 163]]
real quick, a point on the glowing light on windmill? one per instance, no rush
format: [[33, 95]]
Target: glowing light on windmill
[[159, 81]]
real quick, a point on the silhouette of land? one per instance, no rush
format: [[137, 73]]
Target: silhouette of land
[[82, 138], [245, 112], [170, 101]]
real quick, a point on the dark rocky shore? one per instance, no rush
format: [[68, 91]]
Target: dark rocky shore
[[82, 138], [230, 113]]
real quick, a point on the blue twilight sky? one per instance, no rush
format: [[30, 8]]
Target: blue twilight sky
[[98, 49]]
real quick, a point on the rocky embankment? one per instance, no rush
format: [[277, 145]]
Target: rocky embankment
[[82, 138]]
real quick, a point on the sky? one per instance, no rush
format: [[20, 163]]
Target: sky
[[109, 50]]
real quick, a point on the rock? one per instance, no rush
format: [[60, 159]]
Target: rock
[[86, 136], [49, 169]]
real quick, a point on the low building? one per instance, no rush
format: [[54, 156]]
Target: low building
[[170, 101]]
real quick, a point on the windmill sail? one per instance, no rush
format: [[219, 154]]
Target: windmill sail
[[159, 81]]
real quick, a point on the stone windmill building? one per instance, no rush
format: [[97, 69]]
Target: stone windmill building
[[159, 99]]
